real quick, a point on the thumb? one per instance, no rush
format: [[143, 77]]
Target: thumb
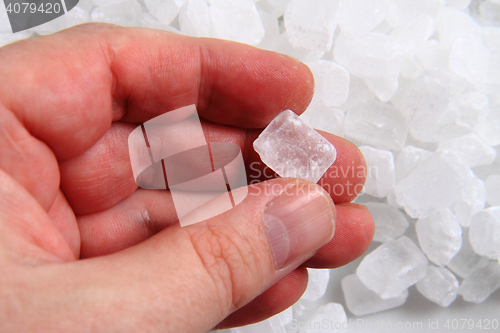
[[188, 279]]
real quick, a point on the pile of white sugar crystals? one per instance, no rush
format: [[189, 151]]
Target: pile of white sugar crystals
[[416, 85]]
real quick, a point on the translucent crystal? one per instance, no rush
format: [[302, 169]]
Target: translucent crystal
[[331, 83], [390, 223], [470, 149], [461, 4], [361, 16], [471, 201], [317, 284], [493, 190], [440, 236], [194, 19], [378, 124], [271, 29], [392, 267], [433, 186], [408, 160], [433, 55], [484, 232], [427, 102], [470, 59], [466, 260], [371, 55], [472, 108], [293, 149], [164, 10], [400, 12], [383, 89], [237, 20], [412, 35], [455, 23], [490, 12], [362, 301], [312, 27], [380, 178], [326, 119], [489, 129], [481, 283], [126, 13], [439, 285], [149, 21], [326, 317]]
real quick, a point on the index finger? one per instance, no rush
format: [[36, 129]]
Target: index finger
[[73, 84]]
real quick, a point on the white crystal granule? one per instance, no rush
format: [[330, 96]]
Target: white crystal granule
[[380, 174], [481, 283], [237, 20], [439, 285], [312, 26], [433, 186], [331, 316], [293, 149], [393, 267], [484, 232], [440, 236], [362, 301], [317, 284], [389, 222]]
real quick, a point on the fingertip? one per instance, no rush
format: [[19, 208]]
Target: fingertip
[[353, 235]]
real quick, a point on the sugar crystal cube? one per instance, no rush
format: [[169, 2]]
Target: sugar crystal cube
[[312, 27], [390, 223], [481, 283], [362, 301], [361, 16], [326, 119], [317, 284], [439, 285], [194, 19], [489, 129], [293, 149], [493, 190], [329, 318], [433, 186], [471, 201], [331, 83], [378, 124], [392, 267], [371, 55], [380, 178], [455, 23], [164, 10], [466, 260], [126, 13], [408, 160], [471, 149], [237, 20], [484, 232], [440, 236]]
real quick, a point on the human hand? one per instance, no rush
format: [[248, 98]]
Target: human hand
[[82, 249]]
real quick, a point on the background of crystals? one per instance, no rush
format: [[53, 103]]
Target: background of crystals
[[402, 78]]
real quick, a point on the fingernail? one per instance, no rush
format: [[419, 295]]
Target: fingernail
[[298, 221]]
